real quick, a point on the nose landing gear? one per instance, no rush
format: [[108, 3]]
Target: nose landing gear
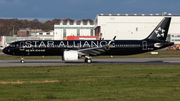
[[22, 59]]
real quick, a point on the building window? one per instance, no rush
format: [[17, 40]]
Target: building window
[[47, 33], [136, 28], [177, 35], [177, 39], [40, 33]]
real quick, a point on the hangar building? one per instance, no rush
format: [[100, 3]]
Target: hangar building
[[133, 26], [63, 30]]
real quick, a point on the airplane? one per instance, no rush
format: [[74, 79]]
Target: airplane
[[72, 50]]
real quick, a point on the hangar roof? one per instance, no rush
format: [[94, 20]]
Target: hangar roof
[[138, 14]]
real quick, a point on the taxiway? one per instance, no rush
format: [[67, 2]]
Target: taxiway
[[58, 62]]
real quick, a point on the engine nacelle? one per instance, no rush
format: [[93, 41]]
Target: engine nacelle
[[70, 56]]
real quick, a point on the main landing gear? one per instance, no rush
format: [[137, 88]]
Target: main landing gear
[[22, 59], [88, 59]]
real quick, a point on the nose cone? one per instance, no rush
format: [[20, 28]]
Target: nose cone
[[5, 50]]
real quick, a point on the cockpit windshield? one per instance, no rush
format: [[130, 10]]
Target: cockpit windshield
[[13, 45]]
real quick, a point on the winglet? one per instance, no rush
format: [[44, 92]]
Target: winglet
[[114, 38], [111, 41]]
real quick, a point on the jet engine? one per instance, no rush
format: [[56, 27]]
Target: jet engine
[[70, 56]]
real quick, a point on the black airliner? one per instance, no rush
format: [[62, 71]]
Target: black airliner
[[71, 50]]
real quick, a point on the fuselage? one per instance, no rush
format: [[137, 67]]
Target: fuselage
[[57, 47]]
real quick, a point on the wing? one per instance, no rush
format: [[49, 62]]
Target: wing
[[96, 50], [92, 51]]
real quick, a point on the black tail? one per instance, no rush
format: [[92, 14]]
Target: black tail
[[161, 30]]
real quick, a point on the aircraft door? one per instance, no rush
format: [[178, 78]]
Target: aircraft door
[[21, 47], [144, 45]]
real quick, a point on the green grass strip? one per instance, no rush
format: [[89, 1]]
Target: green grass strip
[[90, 83]]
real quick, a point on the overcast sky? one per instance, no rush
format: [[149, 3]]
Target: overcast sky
[[83, 9]]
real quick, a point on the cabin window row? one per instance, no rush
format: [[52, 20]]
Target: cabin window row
[[127, 45]]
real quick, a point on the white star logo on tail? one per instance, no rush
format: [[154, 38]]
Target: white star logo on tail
[[160, 32]]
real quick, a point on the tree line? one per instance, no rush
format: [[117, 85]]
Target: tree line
[[6, 25]]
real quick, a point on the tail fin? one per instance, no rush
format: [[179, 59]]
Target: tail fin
[[161, 30]]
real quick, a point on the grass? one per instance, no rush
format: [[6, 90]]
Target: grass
[[90, 83], [162, 54]]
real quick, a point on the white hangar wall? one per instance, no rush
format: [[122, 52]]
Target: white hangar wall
[[62, 30], [133, 27]]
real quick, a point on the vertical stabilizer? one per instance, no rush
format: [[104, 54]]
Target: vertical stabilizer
[[161, 30]]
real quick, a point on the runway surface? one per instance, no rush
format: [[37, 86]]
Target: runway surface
[[58, 62]]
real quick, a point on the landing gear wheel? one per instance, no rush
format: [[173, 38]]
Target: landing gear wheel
[[88, 60], [22, 61]]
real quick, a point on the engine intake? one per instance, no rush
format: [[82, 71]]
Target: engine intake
[[70, 56]]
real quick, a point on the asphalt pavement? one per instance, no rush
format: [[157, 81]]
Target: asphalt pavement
[[58, 62]]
